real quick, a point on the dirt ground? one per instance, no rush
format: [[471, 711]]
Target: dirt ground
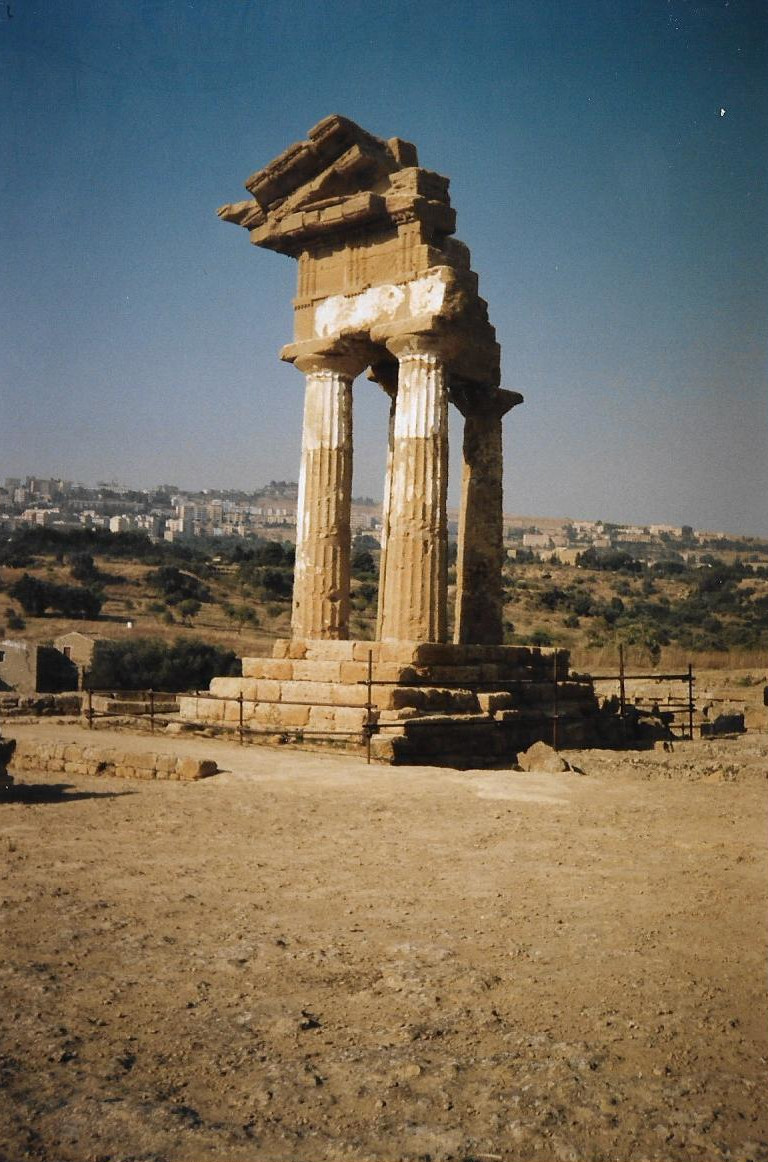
[[302, 958]]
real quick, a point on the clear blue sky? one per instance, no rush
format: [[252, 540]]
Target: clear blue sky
[[616, 217]]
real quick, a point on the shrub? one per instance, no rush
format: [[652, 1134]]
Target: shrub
[[36, 597], [363, 564], [274, 583], [150, 664], [610, 560], [189, 609], [176, 586], [82, 567]]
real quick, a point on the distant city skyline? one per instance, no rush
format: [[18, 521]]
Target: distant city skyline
[[176, 489], [608, 165]]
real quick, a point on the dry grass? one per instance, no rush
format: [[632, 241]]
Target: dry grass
[[129, 599]]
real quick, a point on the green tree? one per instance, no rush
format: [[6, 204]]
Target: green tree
[[189, 609], [145, 663], [82, 567], [36, 597], [362, 564]]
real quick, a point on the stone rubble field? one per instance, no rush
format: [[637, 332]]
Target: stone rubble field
[[302, 958]]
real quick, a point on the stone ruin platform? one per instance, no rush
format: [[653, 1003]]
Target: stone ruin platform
[[438, 704], [385, 290]]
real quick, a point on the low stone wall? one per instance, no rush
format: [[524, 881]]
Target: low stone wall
[[13, 705], [85, 759]]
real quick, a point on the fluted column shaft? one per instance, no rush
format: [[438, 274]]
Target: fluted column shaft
[[414, 583], [479, 584], [321, 578]]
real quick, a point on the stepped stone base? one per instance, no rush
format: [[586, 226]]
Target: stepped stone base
[[430, 703]]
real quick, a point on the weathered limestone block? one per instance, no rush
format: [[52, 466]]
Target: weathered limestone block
[[398, 652], [317, 693], [233, 687], [401, 715], [191, 768], [542, 757], [361, 651], [383, 747], [353, 672], [439, 675], [508, 717], [276, 669], [317, 671], [433, 698], [232, 711], [322, 718], [352, 719], [287, 717], [277, 716], [267, 690], [329, 651], [200, 709], [490, 703], [357, 672], [349, 695]]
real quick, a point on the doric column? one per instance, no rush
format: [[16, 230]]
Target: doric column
[[413, 594], [321, 578], [384, 372], [479, 589]]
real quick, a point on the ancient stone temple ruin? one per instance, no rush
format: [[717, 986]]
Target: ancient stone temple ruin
[[386, 290]]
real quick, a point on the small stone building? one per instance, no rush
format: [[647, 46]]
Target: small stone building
[[79, 648], [34, 669]]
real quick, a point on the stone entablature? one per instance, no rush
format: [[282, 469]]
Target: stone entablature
[[384, 287]]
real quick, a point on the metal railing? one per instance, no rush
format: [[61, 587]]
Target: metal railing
[[684, 705], [149, 704]]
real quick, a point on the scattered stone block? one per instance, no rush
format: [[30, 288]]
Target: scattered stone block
[[542, 757], [491, 703], [732, 723], [191, 768]]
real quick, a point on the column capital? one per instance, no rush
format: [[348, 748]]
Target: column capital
[[348, 360], [492, 402], [384, 372], [419, 343], [468, 354]]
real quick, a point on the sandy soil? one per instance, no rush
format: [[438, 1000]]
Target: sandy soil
[[304, 958]]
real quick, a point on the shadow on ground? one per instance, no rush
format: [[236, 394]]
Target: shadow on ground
[[55, 793]]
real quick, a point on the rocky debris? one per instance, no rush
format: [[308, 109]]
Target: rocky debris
[[542, 757], [731, 723]]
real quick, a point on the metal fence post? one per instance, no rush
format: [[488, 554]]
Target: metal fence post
[[690, 701], [556, 709], [368, 709], [90, 709], [151, 712], [622, 691], [240, 715]]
